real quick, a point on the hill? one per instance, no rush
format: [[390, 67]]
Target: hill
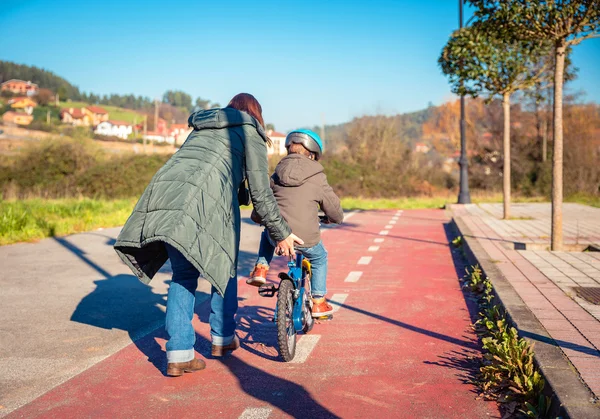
[[43, 78]]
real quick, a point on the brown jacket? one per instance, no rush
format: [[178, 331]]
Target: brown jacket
[[301, 189]]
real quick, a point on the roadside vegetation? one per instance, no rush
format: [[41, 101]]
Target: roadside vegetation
[[35, 219], [507, 373], [63, 185]]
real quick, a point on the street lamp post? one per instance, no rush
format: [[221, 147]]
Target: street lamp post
[[463, 195]]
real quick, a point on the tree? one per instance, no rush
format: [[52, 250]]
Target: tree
[[202, 103], [479, 62], [44, 97], [62, 93], [270, 127], [178, 99], [564, 23], [540, 99]]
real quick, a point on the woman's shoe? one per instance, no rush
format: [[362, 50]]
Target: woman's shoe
[[176, 369], [220, 350]]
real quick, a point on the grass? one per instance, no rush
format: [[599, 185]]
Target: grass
[[114, 112], [592, 201], [402, 203], [35, 219], [421, 202]]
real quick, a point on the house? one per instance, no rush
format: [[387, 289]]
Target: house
[[96, 114], [24, 104], [19, 87], [422, 148], [75, 116], [118, 129], [159, 137], [16, 118], [179, 132], [278, 143]]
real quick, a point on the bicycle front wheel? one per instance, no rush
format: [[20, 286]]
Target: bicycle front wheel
[[286, 333]]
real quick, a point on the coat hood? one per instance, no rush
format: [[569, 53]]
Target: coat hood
[[296, 169], [223, 118]]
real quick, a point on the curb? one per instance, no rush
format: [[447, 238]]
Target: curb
[[570, 398]]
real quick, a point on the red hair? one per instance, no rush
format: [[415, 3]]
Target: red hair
[[247, 103]]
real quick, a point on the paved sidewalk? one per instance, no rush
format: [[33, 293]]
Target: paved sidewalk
[[547, 282], [399, 345]]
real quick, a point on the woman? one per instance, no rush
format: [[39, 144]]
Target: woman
[[190, 214]]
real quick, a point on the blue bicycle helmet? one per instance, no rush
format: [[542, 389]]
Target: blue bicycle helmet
[[309, 139]]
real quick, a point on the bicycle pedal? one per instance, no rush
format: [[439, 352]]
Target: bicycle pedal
[[267, 290], [324, 318]]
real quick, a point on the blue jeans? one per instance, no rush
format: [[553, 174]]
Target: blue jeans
[[317, 255], [180, 310]]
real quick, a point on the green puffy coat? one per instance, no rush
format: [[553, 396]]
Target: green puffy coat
[[192, 202]]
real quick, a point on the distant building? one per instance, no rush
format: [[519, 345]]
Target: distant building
[[87, 116], [179, 132], [75, 116], [19, 87], [422, 148], [24, 104], [159, 137], [277, 147], [118, 129], [96, 113], [16, 118]]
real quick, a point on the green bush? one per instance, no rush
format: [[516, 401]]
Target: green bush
[[121, 177], [62, 168]]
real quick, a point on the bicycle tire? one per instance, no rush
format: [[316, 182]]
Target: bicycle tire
[[309, 321], [286, 332]]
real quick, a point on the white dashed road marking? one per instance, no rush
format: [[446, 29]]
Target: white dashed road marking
[[393, 222], [373, 248], [389, 226], [379, 240], [384, 232], [365, 260], [353, 276], [256, 413], [337, 300], [348, 215], [304, 347]]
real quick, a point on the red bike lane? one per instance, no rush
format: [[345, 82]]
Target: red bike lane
[[399, 344]]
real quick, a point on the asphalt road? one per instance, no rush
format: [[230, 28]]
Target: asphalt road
[[68, 303]]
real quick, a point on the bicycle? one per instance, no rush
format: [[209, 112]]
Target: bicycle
[[293, 313]]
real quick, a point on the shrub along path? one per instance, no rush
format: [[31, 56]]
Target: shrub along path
[[399, 345]]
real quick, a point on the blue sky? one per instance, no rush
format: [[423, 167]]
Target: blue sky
[[304, 61]]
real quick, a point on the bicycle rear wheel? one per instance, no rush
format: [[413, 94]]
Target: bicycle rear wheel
[[286, 332]]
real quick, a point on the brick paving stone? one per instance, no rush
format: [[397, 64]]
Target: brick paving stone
[[545, 280]]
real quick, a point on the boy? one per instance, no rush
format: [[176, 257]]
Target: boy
[[301, 189]]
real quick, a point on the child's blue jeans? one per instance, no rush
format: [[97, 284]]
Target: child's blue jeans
[[180, 310], [317, 255]]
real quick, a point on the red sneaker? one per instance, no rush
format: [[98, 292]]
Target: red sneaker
[[258, 276], [321, 307]]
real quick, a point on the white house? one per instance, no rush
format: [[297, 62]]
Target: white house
[[179, 132], [158, 137], [278, 146], [118, 129]]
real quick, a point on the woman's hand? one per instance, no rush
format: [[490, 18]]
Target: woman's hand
[[286, 247]]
